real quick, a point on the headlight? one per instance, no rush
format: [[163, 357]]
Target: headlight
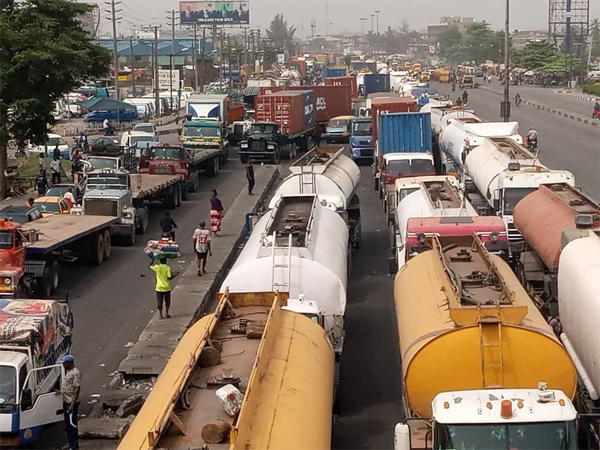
[[127, 215], [271, 147], [243, 145], [494, 236], [8, 281]]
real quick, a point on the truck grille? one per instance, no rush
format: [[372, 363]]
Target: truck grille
[[257, 145], [101, 207], [366, 152], [513, 233], [238, 130], [162, 170]]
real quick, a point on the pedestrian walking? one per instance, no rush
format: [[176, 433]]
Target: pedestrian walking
[[317, 135], [105, 125], [41, 182], [42, 164], [55, 170], [168, 225], [250, 176], [56, 152], [70, 389], [216, 213], [202, 246], [76, 166], [164, 275], [465, 97]]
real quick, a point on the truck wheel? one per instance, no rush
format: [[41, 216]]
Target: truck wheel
[[171, 201], [186, 188], [224, 156], [107, 245], [44, 284], [178, 195], [214, 167], [131, 237], [98, 249], [276, 157]]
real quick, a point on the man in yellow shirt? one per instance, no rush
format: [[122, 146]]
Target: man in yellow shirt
[[163, 286]]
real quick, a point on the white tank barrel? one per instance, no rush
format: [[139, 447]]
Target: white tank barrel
[[442, 116], [472, 132], [326, 172], [579, 304]]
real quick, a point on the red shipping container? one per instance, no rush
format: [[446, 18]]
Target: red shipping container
[[330, 101], [294, 112], [386, 105], [343, 81]]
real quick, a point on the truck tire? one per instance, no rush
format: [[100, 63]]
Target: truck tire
[[214, 167], [276, 156], [178, 194], [107, 244], [194, 182], [130, 239], [224, 156], [185, 190], [171, 200], [97, 248], [44, 284]]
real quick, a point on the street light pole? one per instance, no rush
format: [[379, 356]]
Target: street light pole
[[362, 22], [505, 107], [372, 17], [377, 13]]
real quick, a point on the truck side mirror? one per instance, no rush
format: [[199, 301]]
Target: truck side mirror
[[392, 265], [402, 437], [496, 204], [26, 399]]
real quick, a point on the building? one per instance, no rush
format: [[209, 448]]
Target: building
[[458, 22]]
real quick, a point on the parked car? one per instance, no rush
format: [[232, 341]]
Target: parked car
[[124, 115], [106, 144], [21, 214], [131, 138], [146, 127], [52, 205], [50, 145]]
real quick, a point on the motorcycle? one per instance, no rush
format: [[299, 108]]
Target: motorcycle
[[596, 114], [532, 144], [518, 100]]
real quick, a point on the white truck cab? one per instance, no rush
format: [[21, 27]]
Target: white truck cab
[[493, 419]]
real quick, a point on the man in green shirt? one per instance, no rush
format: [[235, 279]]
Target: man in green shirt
[[163, 286]]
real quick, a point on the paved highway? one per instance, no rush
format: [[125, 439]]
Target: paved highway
[[564, 143]]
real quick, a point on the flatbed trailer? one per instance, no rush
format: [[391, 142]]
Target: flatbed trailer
[[31, 265], [147, 187]]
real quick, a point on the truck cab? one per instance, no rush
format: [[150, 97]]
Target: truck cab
[[402, 165], [493, 419], [339, 129], [34, 336], [171, 160], [264, 143], [361, 141], [12, 257], [202, 133]]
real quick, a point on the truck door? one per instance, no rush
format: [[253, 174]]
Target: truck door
[[41, 402]]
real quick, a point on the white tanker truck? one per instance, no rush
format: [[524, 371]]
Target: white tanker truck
[[333, 177], [300, 247]]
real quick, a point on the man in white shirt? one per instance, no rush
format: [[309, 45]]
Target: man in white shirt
[[105, 124], [202, 247], [55, 169]]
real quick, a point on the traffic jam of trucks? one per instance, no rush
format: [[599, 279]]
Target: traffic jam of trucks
[[495, 258]]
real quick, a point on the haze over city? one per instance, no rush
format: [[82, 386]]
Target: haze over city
[[344, 15]]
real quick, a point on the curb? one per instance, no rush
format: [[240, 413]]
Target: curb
[[541, 107]]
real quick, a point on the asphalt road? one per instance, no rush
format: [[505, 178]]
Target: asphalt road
[[370, 373], [564, 143]]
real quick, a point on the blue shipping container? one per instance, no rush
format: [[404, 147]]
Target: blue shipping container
[[333, 73], [404, 132], [376, 82]]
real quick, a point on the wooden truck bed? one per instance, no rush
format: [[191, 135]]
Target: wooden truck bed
[[145, 184], [61, 229]]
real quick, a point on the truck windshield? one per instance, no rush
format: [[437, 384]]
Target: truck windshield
[[512, 196], [521, 436], [337, 124], [107, 182], [361, 128], [164, 153], [8, 385], [200, 132], [6, 242], [103, 163], [263, 128], [408, 167]]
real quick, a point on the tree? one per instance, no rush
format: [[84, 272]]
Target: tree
[[536, 55], [451, 45], [280, 34], [595, 30], [44, 53]]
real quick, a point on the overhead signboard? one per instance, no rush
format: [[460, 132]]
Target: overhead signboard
[[215, 13]]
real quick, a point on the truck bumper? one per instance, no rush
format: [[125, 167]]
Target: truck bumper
[[120, 229], [337, 138], [362, 154], [257, 156]]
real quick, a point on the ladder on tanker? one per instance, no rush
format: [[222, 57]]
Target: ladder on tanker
[[492, 366], [285, 266], [307, 180]]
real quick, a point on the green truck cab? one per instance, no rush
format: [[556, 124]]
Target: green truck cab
[[202, 133]]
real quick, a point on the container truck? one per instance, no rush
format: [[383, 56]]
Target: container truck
[[361, 140], [501, 173], [481, 368], [376, 82], [126, 197], [386, 105], [34, 336], [282, 363], [219, 108], [284, 121], [334, 178], [330, 101], [330, 73], [205, 137], [463, 134], [343, 81], [300, 247]]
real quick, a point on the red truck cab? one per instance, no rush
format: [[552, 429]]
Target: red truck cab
[[12, 257], [168, 159], [400, 165]]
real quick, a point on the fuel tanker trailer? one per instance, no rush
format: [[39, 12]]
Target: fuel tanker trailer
[[333, 177], [442, 116], [502, 172], [481, 367], [299, 247], [462, 134]]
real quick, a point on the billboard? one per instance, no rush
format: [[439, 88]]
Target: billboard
[[215, 13], [164, 80]]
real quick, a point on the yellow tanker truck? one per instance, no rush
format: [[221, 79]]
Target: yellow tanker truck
[[481, 367], [283, 363]]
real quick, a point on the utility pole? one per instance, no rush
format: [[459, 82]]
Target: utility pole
[[113, 17], [372, 22], [155, 67], [172, 19], [195, 57], [377, 13], [505, 107], [132, 64], [202, 58]]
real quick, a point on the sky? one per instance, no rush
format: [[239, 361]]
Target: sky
[[344, 15]]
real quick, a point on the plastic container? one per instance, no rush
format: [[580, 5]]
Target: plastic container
[[231, 398]]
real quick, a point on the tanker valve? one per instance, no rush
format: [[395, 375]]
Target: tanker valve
[[506, 409], [462, 255]]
